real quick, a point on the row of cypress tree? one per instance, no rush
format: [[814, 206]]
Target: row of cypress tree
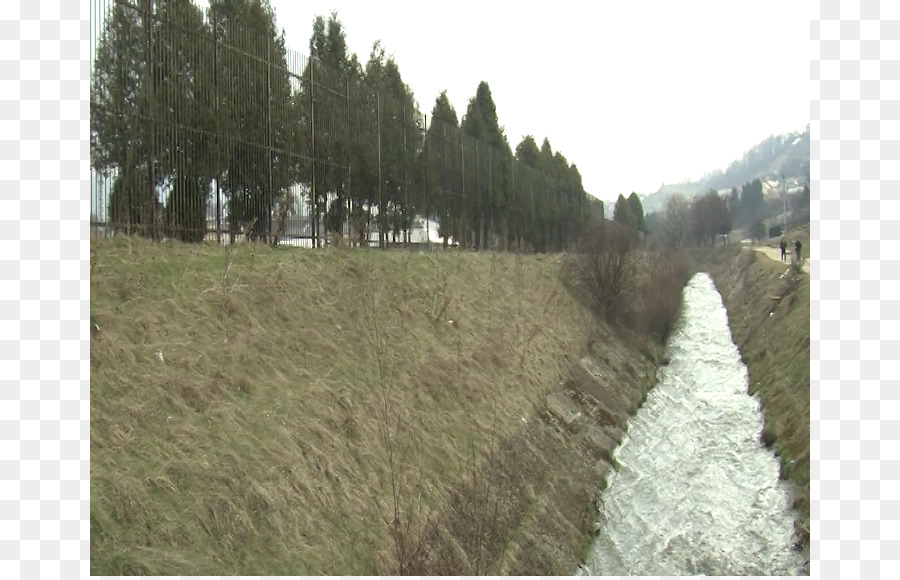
[[192, 108]]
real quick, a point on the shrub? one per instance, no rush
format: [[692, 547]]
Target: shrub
[[186, 209], [660, 293], [625, 284], [757, 231], [602, 267], [130, 208]]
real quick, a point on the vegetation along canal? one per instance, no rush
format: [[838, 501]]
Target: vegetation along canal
[[696, 492]]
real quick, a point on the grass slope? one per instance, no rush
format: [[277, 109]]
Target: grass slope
[[246, 402]]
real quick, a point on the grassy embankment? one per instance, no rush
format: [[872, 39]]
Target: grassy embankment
[[768, 312], [260, 411]]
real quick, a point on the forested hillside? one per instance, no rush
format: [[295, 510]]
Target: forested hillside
[[777, 154]]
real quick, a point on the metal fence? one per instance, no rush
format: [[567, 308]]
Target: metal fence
[[205, 126]]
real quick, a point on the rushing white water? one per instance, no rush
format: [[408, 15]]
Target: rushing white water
[[696, 493]]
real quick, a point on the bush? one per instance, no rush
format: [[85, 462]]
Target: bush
[[660, 293], [130, 209], [186, 209], [626, 284], [757, 231], [604, 256]]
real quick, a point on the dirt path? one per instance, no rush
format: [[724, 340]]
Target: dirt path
[[775, 254]]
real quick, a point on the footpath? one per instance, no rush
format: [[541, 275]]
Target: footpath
[[775, 254]]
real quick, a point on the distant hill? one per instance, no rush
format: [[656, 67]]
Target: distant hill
[[766, 160]]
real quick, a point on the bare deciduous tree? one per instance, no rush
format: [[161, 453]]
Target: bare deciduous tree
[[605, 257]]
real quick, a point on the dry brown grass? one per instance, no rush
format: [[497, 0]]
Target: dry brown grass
[[238, 419], [626, 283]]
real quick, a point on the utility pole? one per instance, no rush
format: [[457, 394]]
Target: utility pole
[[783, 202]]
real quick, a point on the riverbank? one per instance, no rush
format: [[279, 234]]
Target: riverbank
[[695, 492], [769, 311], [277, 411]]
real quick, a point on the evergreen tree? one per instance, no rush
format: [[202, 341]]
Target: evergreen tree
[[637, 210], [398, 125], [351, 133], [580, 207], [493, 161], [734, 203], [546, 210], [724, 217], [561, 193], [335, 75], [652, 223], [527, 160], [752, 201], [596, 208], [129, 104], [442, 166], [184, 96], [481, 120], [623, 214], [757, 230], [545, 159], [527, 152], [247, 87], [120, 105]]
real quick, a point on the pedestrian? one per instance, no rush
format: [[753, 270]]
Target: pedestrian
[[783, 246], [797, 247]]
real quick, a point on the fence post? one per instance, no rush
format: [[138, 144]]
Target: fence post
[[347, 202], [381, 237], [314, 207], [405, 214], [425, 184], [479, 205], [151, 169], [462, 189], [270, 235], [215, 27], [513, 194], [490, 244], [533, 220]]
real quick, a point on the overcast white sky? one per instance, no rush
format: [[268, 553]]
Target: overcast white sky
[[635, 93]]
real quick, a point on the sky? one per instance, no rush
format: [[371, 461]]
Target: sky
[[634, 93]]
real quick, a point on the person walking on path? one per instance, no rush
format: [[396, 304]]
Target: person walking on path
[[783, 246], [797, 247]]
